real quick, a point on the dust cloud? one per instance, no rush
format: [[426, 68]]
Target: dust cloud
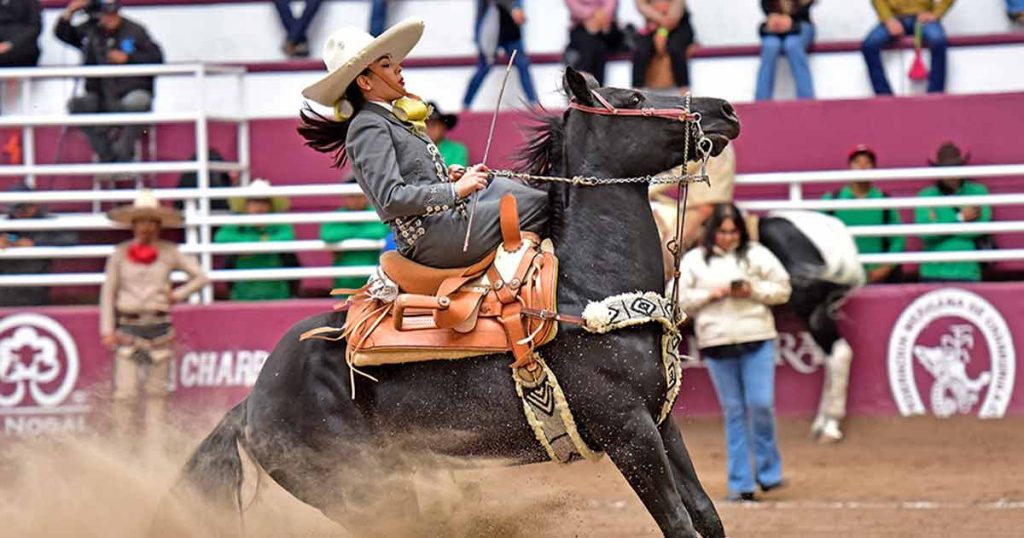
[[93, 485]]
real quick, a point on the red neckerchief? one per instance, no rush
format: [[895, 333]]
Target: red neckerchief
[[140, 253]]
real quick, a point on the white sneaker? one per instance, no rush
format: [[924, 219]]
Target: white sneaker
[[830, 432]]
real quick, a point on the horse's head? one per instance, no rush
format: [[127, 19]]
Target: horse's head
[[623, 144]]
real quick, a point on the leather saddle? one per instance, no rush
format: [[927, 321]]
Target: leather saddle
[[505, 302]]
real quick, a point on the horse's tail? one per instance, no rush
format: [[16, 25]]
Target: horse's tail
[[215, 468]]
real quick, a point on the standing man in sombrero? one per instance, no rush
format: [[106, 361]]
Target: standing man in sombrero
[[380, 127], [135, 304]]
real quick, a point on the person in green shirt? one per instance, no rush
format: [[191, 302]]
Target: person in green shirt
[[862, 157], [333, 232], [258, 290], [950, 155], [438, 124]]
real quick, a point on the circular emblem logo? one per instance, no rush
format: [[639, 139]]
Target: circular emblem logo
[[38, 361], [955, 348]]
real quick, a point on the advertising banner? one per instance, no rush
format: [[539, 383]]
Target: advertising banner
[[942, 350]]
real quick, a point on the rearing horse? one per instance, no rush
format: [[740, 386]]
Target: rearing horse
[[304, 429]]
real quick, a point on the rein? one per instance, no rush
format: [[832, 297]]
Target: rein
[[704, 146]]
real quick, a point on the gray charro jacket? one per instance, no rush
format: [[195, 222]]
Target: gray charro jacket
[[406, 180]]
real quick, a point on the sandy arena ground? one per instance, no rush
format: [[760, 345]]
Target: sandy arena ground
[[891, 477]]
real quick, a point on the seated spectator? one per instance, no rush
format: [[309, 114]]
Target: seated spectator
[[729, 284], [333, 232], [1015, 10], [593, 36], [667, 32], [788, 29], [258, 290], [950, 155], [499, 27], [862, 157], [107, 38], [20, 26], [378, 17], [190, 180], [34, 295], [296, 43], [438, 124], [898, 18]]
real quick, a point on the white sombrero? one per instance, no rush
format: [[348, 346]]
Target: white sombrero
[[145, 206], [260, 190], [350, 50]]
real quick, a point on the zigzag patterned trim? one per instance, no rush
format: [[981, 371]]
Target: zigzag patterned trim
[[548, 414], [632, 309]]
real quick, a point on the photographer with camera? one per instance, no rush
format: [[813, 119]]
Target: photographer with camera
[[107, 38]]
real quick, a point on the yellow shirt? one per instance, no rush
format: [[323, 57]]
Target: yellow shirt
[[888, 9]]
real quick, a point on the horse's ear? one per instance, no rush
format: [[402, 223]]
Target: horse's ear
[[577, 87]]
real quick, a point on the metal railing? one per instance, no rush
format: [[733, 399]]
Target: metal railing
[[197, 216], [200, 117]]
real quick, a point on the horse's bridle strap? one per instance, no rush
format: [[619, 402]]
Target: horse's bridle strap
[[606, 109]]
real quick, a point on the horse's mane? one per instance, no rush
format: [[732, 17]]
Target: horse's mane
[[542, 152], [541, 155]]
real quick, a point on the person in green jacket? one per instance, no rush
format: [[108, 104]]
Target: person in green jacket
[[258, 290], [950, 155], [862, 157], [438, 125], [333, 232]]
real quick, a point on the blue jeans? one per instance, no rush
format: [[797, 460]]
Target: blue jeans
[[378, 17], [483, 67], [296, 28], [795, 46], [934, 36], [746, 391]]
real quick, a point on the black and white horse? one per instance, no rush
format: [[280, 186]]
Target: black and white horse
[[821, 257]]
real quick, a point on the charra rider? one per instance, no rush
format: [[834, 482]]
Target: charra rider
[[380, 127]]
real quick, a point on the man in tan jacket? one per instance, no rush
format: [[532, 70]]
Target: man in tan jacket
[[135, 304]]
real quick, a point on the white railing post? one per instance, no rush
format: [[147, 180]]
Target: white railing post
[[28, 140], [245, 175], [203, 179], [796, 191]]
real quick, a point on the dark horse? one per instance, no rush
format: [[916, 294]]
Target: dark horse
[[304, 428]]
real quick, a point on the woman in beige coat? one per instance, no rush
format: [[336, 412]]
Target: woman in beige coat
[[728, 285]]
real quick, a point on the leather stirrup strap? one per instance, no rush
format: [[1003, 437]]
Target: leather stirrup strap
[[510, 235], [512, 320]]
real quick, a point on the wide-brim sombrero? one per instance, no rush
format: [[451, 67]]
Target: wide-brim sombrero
[[351, 50], [260, 189], [146, 206]]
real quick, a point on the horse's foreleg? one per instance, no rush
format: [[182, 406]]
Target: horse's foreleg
[[638, 452], [688, 484]]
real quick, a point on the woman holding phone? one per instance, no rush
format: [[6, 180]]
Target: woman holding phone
[[728, 285]]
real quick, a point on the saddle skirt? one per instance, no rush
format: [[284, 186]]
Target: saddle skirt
[[409, 312]]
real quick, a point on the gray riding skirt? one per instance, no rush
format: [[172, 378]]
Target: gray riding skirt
[[440, 244]]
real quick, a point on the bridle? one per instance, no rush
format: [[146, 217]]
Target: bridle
[[606, 109], [693, 131]]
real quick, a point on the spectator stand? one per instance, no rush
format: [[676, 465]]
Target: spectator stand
[[200, 117]]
